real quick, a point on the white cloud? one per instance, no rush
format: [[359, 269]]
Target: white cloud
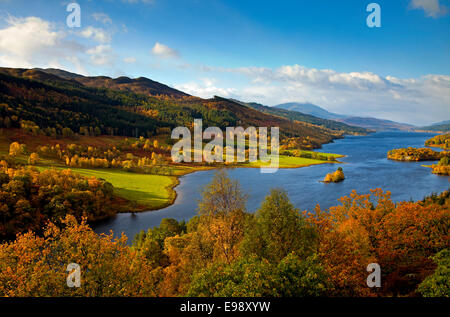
[[26, 29], [432, 8], [19, 39], [129, 60], [323, 77], [206, 89], [100, 55], [164, 51], [413, 100], [102, 17], [96, 34], [33, 42]]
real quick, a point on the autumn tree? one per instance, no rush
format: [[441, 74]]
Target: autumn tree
[[14, 149], [251, 277], [221, 196], [213, 236], [33, 159], [278, 229], [151, 243], [36, 266], [406, 239], [438, 284], [29, 198], [222, 215], [341, 257], [372, 229]]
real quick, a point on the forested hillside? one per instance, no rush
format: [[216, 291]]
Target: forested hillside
[[298, 116], [139, 85], [436, 128], [54, 105]]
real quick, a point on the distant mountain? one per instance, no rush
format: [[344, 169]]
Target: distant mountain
[[309, 108], [367, 123], [377, 124], [441, 123], [295, 115], [437, 127]]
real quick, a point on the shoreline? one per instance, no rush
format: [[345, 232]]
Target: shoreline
[[174, 194]]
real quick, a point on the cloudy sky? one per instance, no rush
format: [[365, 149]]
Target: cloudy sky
[[254, 50]]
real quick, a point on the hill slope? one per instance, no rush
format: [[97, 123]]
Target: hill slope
[[445, 127], [442, 122], [54, 105], [298, 116], [377, 124], [139, 85], [308, 108], [363, 122]]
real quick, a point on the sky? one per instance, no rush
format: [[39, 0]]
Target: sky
[[271, 52]]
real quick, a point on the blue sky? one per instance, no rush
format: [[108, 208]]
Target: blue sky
[[265, 51]]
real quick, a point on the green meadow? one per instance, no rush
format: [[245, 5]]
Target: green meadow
[[151, 191], [286, 161]]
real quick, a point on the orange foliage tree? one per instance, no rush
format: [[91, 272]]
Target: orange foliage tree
[[371, 228], [36, 266]]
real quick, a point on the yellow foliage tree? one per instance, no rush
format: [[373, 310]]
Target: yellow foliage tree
[[33, 159], [36, 266], [14, 149]]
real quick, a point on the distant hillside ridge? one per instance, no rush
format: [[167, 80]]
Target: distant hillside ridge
[[311, 109], [363, 122], [378, 124], [139, 85], [295, 115], [438, 128], [441, 122]]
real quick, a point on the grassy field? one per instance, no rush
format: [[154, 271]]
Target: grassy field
[[294, 162], [151, 191]]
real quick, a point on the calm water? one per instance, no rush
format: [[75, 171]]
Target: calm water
[[365, 167]]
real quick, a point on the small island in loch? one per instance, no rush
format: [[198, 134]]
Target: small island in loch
[[441, 168], [426, 154], [414, 154], [335, 177], [442, 141]]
